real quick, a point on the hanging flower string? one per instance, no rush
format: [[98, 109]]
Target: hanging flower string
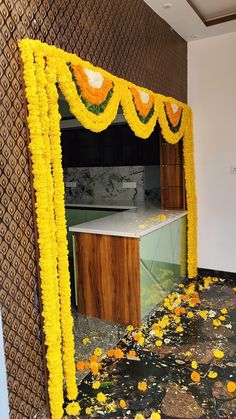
[[94, 96], [61, 233], [49, 297]]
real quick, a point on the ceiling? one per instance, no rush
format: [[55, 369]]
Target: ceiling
[[197, 19], [211, 9]]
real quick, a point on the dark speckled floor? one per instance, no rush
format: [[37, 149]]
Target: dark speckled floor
[[167, 370]]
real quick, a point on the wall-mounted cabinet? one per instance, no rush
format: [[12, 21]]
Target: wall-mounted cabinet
[[116, 146], [172, 175]]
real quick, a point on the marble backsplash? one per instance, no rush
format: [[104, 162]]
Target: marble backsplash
[[106, 183]]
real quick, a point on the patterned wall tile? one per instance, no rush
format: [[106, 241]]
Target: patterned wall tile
[[124, 37]]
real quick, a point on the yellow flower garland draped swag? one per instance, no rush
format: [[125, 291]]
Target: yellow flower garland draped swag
[[93, 96]]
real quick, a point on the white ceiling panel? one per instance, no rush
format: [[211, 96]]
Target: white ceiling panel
[[211, 9], [186, 22]]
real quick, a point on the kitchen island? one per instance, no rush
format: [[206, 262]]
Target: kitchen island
[[127, 262]]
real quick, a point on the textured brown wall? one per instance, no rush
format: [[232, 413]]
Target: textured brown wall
[[122, 36]]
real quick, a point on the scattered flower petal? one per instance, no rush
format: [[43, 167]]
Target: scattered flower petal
[[218, 354], [194, 364], [212, 374], [123, 404], [195, 376], [142, 385], [231, 386], [101, 398]]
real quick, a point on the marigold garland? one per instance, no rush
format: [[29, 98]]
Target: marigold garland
[[95, 107], [92, 94], [174, 117], [143, 108], [50, 303], [61, 232]]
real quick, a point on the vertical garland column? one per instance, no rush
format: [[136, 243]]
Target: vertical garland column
[[41, 81], [189, 172], [51, 324], [61, 232]]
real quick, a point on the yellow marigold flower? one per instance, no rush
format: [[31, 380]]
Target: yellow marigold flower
[[216, 322], [132, 354], [179, 329], [231, 386], [86, 341], [164, 322], [201, 288], [218, 353], [123, 404], [158, 342], [212, 374], [94, 366], [190, 314], [101, 398], [190, 290], [188, 353], [234, 289], [139, 416], [142, 385], [155, 415], [137, 335], [195, 376], [176, 319], [158, 333], [222, 318], [207, 281], [73, 408], [98, 351], [96, 384], [177, 302], [224, 311], [130, 328], [203, 314], [155, 326], [88, 411], [181, 285], [141, 340], [194, 365], [118, 353]]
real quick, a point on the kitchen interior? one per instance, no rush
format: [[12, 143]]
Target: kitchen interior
[[126, 221]]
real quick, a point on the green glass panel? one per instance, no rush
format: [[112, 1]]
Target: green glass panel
[[163, 262], [94, 215]]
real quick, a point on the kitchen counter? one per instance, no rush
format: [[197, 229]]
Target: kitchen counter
[[126, 262], [135, 222]]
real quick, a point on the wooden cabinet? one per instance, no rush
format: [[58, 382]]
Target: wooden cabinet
[[108, 285], [116, 146], [172, 175]]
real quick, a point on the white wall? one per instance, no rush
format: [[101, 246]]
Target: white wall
[[4, 410], [212, 95]]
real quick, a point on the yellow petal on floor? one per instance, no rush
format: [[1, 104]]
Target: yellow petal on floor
[[218, 354], [194, 364], [212, 374], [231, 386]]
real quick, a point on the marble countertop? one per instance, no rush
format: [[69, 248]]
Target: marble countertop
[[136, 222]]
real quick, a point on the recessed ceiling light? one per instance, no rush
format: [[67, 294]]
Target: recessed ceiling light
[[167, 5]]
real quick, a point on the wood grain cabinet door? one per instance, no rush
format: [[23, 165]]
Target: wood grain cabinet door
[[172, 175]]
